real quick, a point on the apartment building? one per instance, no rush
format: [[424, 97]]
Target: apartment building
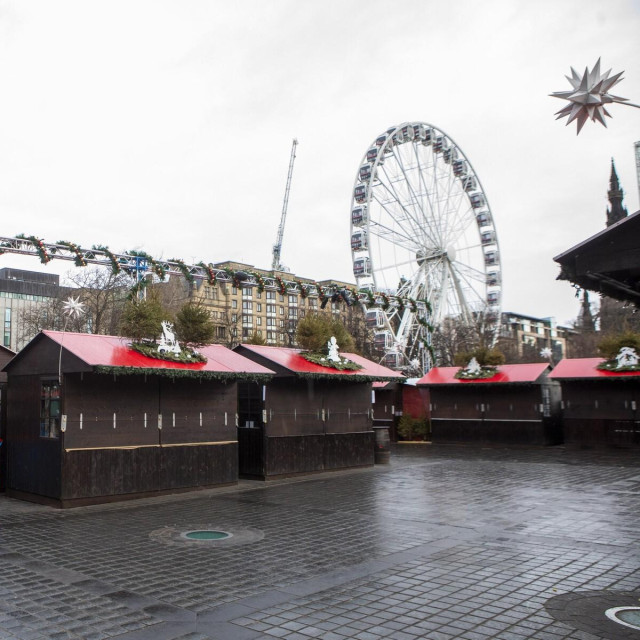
[[240, 313], [21, 291], [523, 337]]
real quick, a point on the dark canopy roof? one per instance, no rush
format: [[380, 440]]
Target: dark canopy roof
[[608, 262]]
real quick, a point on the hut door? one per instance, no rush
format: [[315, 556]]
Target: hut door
[[250, 430]]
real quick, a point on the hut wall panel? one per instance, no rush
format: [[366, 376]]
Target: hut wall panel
[[443, 430], [613, 399], [33, 463], [601, 432], [520, 402], [349, 450], [507, 432], [294, 407], [187, 399], [113, 472], [459, 402], [294, 454], [347, 407], [97, 398]]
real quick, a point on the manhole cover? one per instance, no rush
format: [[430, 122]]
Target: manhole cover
[[206, 534], [628, 616], [211, 535], [614, 615]]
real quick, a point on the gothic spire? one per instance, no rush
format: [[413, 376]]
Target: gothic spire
[[616, 194]]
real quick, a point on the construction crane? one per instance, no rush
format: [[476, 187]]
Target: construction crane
[[277, 247]]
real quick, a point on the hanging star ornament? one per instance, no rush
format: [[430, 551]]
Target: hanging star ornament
[[589, 96], [73, 307]]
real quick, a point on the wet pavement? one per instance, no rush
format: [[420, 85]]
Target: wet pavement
[[443, 543]]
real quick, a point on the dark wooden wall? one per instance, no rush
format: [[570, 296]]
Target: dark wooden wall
[[312, 425], [95, 460], [501, 414], [600, 413]]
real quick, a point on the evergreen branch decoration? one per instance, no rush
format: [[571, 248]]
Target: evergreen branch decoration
[[211, 274], [116, 268], [483, 374], [186, 356], [319, 358], [79, 260], [223, 377], [39, 246], [156, 267], [188, 276]]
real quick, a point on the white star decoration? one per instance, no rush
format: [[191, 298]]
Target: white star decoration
[[73, 307], [546, 353], [589, 95]]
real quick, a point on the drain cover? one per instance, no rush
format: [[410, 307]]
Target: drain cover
[[206, 534]]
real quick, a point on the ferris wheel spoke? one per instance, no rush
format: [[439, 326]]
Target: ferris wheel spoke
[[416, 200], [410, 218]]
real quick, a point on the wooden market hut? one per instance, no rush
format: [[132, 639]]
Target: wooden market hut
[[5, 356], [91, 420], [309, 417], [518, 405], [600, 408]]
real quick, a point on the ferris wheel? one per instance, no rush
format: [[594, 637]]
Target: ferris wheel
[[422, 229]]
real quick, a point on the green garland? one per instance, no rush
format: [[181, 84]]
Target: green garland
[[186, 356], [259, 280], [156, 267], [350, 378], [184, 373], [188, 276], [484, 374], [39, 245], [116, 267], [79, 260], [612, 365], [282, 287], [211, 274], [322, 360]]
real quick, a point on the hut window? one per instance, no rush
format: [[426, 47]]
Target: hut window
[[546, 402], [50, 409]]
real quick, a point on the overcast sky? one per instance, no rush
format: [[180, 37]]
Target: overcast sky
[[167, 125]]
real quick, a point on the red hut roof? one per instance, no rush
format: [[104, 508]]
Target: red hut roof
[[114, 352], [291, 360], [586, 368], [507, 374]]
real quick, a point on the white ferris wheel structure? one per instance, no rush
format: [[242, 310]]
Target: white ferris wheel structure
[[422, 229]]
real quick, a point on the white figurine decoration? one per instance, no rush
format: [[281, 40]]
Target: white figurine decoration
[[627, 357], [168, 342], [473, 367], [332, 346]]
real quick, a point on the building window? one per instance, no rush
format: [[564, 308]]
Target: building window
[[247, 292], [259, 307], [221, 332], [259, 321], [271, 322], [234, 291], [281, 310], [271, 295], [293, 301], [7, 327], [271, 309], [281, 298], [293, 313], [247, 306], [50, 409], [234, 304], [313, 303], [281, 322], [234, 317]]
